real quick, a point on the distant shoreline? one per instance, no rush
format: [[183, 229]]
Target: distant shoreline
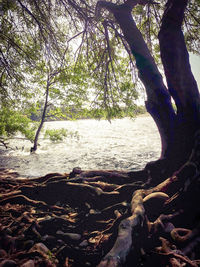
[[146, 114]]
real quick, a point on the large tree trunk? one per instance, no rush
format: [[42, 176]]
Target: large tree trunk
[[176, 129], [181, 83]]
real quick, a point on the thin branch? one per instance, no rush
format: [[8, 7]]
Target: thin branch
[[36, 20]]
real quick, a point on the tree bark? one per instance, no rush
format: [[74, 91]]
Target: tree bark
[[181, 83], [158, 102], [35, 145]]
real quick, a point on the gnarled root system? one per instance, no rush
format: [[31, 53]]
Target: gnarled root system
[[101, 218]]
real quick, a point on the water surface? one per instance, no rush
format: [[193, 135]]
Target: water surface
[[123, 144]]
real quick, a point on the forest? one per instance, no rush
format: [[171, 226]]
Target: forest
[[70, 59]]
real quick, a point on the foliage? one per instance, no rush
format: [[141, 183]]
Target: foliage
[[38, 40], [12, 122], [94, 67], [57, 135], [115, 112]]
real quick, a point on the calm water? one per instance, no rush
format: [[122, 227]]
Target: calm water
[[123, 144]]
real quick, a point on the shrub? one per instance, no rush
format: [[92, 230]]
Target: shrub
[[57, 135]]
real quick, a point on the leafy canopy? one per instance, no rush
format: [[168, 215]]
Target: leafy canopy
[[96, 67]]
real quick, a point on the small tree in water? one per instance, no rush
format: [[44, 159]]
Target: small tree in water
[[58, 92]]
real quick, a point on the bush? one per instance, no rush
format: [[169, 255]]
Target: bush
[[12, 122], [57, 135]]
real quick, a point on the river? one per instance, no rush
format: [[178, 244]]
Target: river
[[123, 144]]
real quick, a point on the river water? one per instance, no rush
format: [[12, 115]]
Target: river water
[[123, 144]]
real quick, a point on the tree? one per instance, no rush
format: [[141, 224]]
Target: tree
[[131, 218], [35, 40], [100, 47], [58, 91], [49, 82], [177, 129]]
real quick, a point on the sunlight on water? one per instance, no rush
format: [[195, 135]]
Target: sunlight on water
[[123, 144]]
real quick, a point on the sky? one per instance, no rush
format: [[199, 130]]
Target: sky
[[195, 65]]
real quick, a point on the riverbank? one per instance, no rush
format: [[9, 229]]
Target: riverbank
[[80, 219]]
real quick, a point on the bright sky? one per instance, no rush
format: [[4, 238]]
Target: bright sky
[[195, 64]]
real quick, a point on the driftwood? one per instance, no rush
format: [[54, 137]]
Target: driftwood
[[101, 218]]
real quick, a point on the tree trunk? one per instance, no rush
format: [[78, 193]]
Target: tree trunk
[[181, 83], [176, 129], [35, 145]]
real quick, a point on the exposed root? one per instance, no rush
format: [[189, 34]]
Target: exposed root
[[176, 257], [122, 246], [100, 218]]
